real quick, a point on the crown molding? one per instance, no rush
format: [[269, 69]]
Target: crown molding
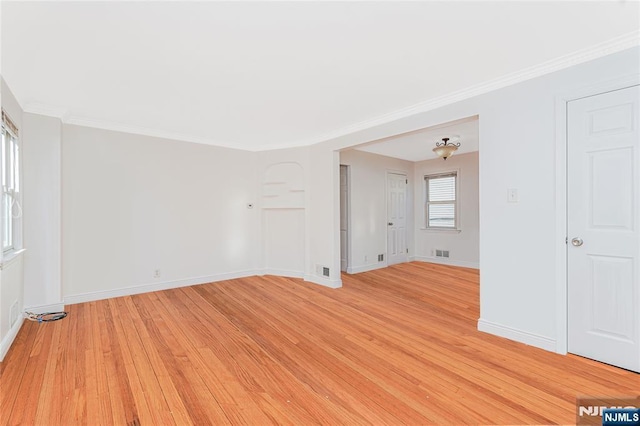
[[63, 114], [611, 46], [46, 109], [163, 134], [596, 51]]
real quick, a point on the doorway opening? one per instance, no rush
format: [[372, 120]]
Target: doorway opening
[[383, 210]]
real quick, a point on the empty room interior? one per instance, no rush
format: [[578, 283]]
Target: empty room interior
[[319, 212]]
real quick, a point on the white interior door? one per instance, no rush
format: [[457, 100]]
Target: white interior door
[[396, 218], [603, 219], [344, 218]]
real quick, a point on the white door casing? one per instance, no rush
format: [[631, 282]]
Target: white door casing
[[344, 218], [603, 215], [396, 218]]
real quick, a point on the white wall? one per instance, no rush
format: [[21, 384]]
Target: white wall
[[464, 244], [283, 205], [323, 230], [284, 242], [368, 207], [133, 204], [12, 277], [41, 152], [518, 241], [11, 274]]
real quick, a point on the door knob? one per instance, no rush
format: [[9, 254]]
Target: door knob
[[577, 242], [390, 223]]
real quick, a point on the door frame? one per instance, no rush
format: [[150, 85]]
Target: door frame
[[562, 278], [386, 213], [348, 208]]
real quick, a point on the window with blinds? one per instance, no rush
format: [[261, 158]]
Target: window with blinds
[[441, 201]]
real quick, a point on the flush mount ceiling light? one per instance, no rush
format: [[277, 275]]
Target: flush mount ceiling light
[[445, 149]]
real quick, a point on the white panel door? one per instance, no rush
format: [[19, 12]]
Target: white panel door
[[344, 218], [603, 218], [396, 218]]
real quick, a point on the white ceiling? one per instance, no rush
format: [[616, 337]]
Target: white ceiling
[[418, 145], [259, 75]]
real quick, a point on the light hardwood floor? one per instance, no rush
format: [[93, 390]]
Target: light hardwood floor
[[393, 346]]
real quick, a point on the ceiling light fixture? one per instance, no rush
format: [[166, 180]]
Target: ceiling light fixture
[[445, 149]]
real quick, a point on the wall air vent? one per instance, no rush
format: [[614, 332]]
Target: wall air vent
[[325, 271], [442, 253]]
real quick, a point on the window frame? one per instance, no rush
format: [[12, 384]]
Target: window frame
[[456, 203], [10, 158]]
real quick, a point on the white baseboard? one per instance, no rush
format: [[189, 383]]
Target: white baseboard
[[282, 273], [146, 288], [444, 261], [166, 285], [521, 336], [43, 309], [366, 268], [9, 338], [324, 281]]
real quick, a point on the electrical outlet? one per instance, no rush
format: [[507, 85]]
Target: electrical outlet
[[366, 258], [156, 273]]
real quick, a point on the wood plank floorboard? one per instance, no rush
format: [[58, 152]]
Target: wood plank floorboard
[[393, 346]]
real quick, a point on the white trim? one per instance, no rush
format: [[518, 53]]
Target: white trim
[[282, 273], [137, 130], [561, 195], [348, 208], [521, 336], [441, 230], [10, 257], [599, 50], [608, 47], [386, 205], [323, 281], [55, 218], [10, 337], [166, 285], [334, 259], [561, 226], [450, 262], [367, 267], [45, 109], [43, 309], [146, 288], [425, 188]]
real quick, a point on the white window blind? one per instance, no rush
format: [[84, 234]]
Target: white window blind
[[441, 205]]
